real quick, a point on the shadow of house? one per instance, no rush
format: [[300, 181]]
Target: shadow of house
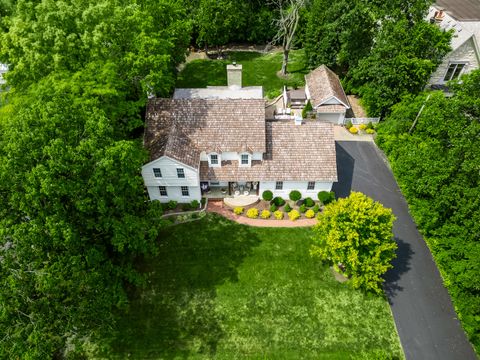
[[345, 168]]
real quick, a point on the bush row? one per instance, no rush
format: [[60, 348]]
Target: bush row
[[324, 196]]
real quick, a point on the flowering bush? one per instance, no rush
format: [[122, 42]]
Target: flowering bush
[[370, 131], [310, 214], [238, 210], [252, 213], [293, 215], [265, 214], [353, 130], [278, 215], [362, 126]]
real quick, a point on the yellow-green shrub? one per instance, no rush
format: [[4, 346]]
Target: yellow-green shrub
[[353, 130], [362, 126], [310, 214], [238, 210], [278, 215], [370, 131], [293, 215], [265, 214], [252, 213]]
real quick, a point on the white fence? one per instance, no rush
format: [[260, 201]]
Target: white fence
[[358, 121]]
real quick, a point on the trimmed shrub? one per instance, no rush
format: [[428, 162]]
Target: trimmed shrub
[[238, 210], [303, 208], [326, 197], [306, 109], [295, 195], [203, 201], [362, 126], [353, 130], [265, 214], [278, 201], [252, 213], [370, 125], [172, 204], [194, 204], [370, 131], [309, 214], [273, 208], [316, 208], [293, 215], [348, 124], [267, 195], [287, 208], [278, 215], [186, 207], [308, 202]]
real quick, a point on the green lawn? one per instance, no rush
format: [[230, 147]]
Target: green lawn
[[227, 291], [258, 69]]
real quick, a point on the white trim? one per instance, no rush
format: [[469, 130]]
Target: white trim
[[333, 97], [456, 63], [240, 159], [219, 159]]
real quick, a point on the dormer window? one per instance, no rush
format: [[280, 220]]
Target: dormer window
[[244, 160], [214, 160], [454, 71]]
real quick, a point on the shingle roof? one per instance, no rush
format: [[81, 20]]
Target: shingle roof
[[294, 152], [322, 84], [464, 10], [183, 128], [220, 92]]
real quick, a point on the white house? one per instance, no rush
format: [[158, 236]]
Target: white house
[[223, 146], [463, 17]]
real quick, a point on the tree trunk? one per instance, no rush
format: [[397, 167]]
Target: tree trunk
[[285, 62]]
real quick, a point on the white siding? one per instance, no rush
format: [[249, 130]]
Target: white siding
[[335, 118], [464, 53], [295, 185], [332, 101], [257, 156], [307, 92], [169, 173], [175, 193]]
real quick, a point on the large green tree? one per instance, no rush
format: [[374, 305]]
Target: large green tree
[[355, 234], [436, 165]]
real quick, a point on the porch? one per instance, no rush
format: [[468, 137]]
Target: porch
[[231, 189]]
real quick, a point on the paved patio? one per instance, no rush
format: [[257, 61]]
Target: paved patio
[[342, 134]]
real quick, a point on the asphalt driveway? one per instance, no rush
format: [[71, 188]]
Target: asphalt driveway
[[422, 309]]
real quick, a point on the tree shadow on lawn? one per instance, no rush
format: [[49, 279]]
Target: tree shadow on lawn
[[401, 264], [176, 314]]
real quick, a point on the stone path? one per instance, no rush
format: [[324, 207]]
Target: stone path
[[218, 207]]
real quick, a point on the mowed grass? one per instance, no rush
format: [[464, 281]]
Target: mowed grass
[[219, 290], [258, 70]]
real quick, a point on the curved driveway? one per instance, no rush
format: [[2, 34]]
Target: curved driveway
[[422, 309]]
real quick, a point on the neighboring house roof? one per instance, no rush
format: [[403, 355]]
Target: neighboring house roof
[[220, 92], [182, 128], [323, 84], [463, 10], [294, 152]]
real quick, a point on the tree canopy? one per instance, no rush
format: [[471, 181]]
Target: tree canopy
[[355, 234]]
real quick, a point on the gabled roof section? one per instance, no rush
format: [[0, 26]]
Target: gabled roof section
[[182, 128], [323, 84], [220, 92]]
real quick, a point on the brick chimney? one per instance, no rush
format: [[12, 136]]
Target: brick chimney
[[234, 75]]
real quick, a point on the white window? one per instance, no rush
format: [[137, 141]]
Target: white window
[[244, 160], [180, 173], [157, 172], [185, 191], [454, 71], [279, 185], [213, 159], [311, 185], [163, 191]]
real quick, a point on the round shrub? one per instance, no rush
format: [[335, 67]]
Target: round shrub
[[370, 131], [267, 195], [293, 215], [303, 208], [348, 124], [308, 202], [370, 125], [326, 197], [295, 195], [353, 130], [278, 201], [172, 204], [287, 208], [195, 204], [273, 208], [252, 213], [265, 214], [362, 126], [238, 210], [309, 214], [278, 215], [316, 208]]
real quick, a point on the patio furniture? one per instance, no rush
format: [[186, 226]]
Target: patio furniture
[[246, 192], [237, 193]]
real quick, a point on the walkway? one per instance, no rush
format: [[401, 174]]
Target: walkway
[[421, 306], [219, 208], [342, 134]]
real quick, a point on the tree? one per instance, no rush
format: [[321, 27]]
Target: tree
[[286, 24], [355, 234]]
